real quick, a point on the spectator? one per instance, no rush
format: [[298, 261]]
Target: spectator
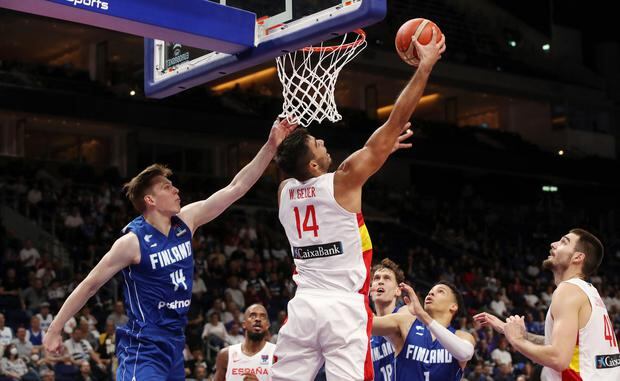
[[216, 308], [47, 375], [44, 315], [498, 306], [85, 372], [34, 334], [24, 347], [87, 316], [36, 361], [234, 335], [74, 220], [78, 348], [478, 374], [197, 359], [11, 365], [200, 373], [6, 334], [254, 281], [10, 297], [107, 344], [46, 273], [501, 355], [34, 295], [89, 335], [118, 316], [214, 331], [56, 293], [29, 255], [235, 293], [531, 298], [199, 288], [546, 297]]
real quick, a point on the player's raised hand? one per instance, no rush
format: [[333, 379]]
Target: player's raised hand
[[430, 53], [487, 320], [411, 300], [280, 130], [407, 133]]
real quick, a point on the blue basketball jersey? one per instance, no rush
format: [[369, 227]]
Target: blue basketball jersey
[[158, 290], [382, 354], [424, 359]]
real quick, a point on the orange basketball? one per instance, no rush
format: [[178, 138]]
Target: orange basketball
[[422, 30]]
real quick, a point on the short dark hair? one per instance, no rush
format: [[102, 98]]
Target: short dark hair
[[592, 247], [137, 187], [388, 264], [294, 154], [457, 295]]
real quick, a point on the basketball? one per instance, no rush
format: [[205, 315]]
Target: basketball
[[422, 30]]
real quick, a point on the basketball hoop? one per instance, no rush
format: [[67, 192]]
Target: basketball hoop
[[309, 78]]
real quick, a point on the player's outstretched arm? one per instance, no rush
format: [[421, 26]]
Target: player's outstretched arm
[[486, 319], [362, 164], [388, 325], [124, 252], [565, 305], [221, 365], [201, 212]]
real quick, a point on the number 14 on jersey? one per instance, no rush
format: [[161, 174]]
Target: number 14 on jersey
[[310, 224]]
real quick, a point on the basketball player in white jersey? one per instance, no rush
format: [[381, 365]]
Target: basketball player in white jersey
[[579, 341], [250, 360], [329, 319]]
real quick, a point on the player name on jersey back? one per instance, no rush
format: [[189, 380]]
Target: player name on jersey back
[[301, 193]]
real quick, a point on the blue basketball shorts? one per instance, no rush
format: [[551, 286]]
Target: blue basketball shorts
[[148, 354]]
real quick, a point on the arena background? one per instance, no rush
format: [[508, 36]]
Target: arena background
[[516, 142]]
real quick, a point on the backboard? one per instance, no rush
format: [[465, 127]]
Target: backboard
[[281, 26]]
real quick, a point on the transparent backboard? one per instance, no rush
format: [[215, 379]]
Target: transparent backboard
[[281, 26]]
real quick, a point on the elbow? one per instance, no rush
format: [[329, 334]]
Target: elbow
[[90, 287], [559, 363]]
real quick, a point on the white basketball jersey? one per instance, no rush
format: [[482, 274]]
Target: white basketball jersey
[[240, 365], [330, 245], [596, 355]]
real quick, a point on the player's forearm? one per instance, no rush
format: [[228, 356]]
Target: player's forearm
[[409, 98], [249, 175], [536, 339], [460, 348], [72, 305], [383, 139], [545, 355]]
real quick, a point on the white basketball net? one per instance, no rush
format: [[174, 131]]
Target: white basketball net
[[309, 78]]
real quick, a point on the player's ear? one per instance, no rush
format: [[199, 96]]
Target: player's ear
[[454, 308], [578, 257], [148, 199], [398, 292]]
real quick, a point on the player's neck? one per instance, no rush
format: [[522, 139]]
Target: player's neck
[[385, 309], [443, 318], [158, 221], [251, 347], [569, 273]]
